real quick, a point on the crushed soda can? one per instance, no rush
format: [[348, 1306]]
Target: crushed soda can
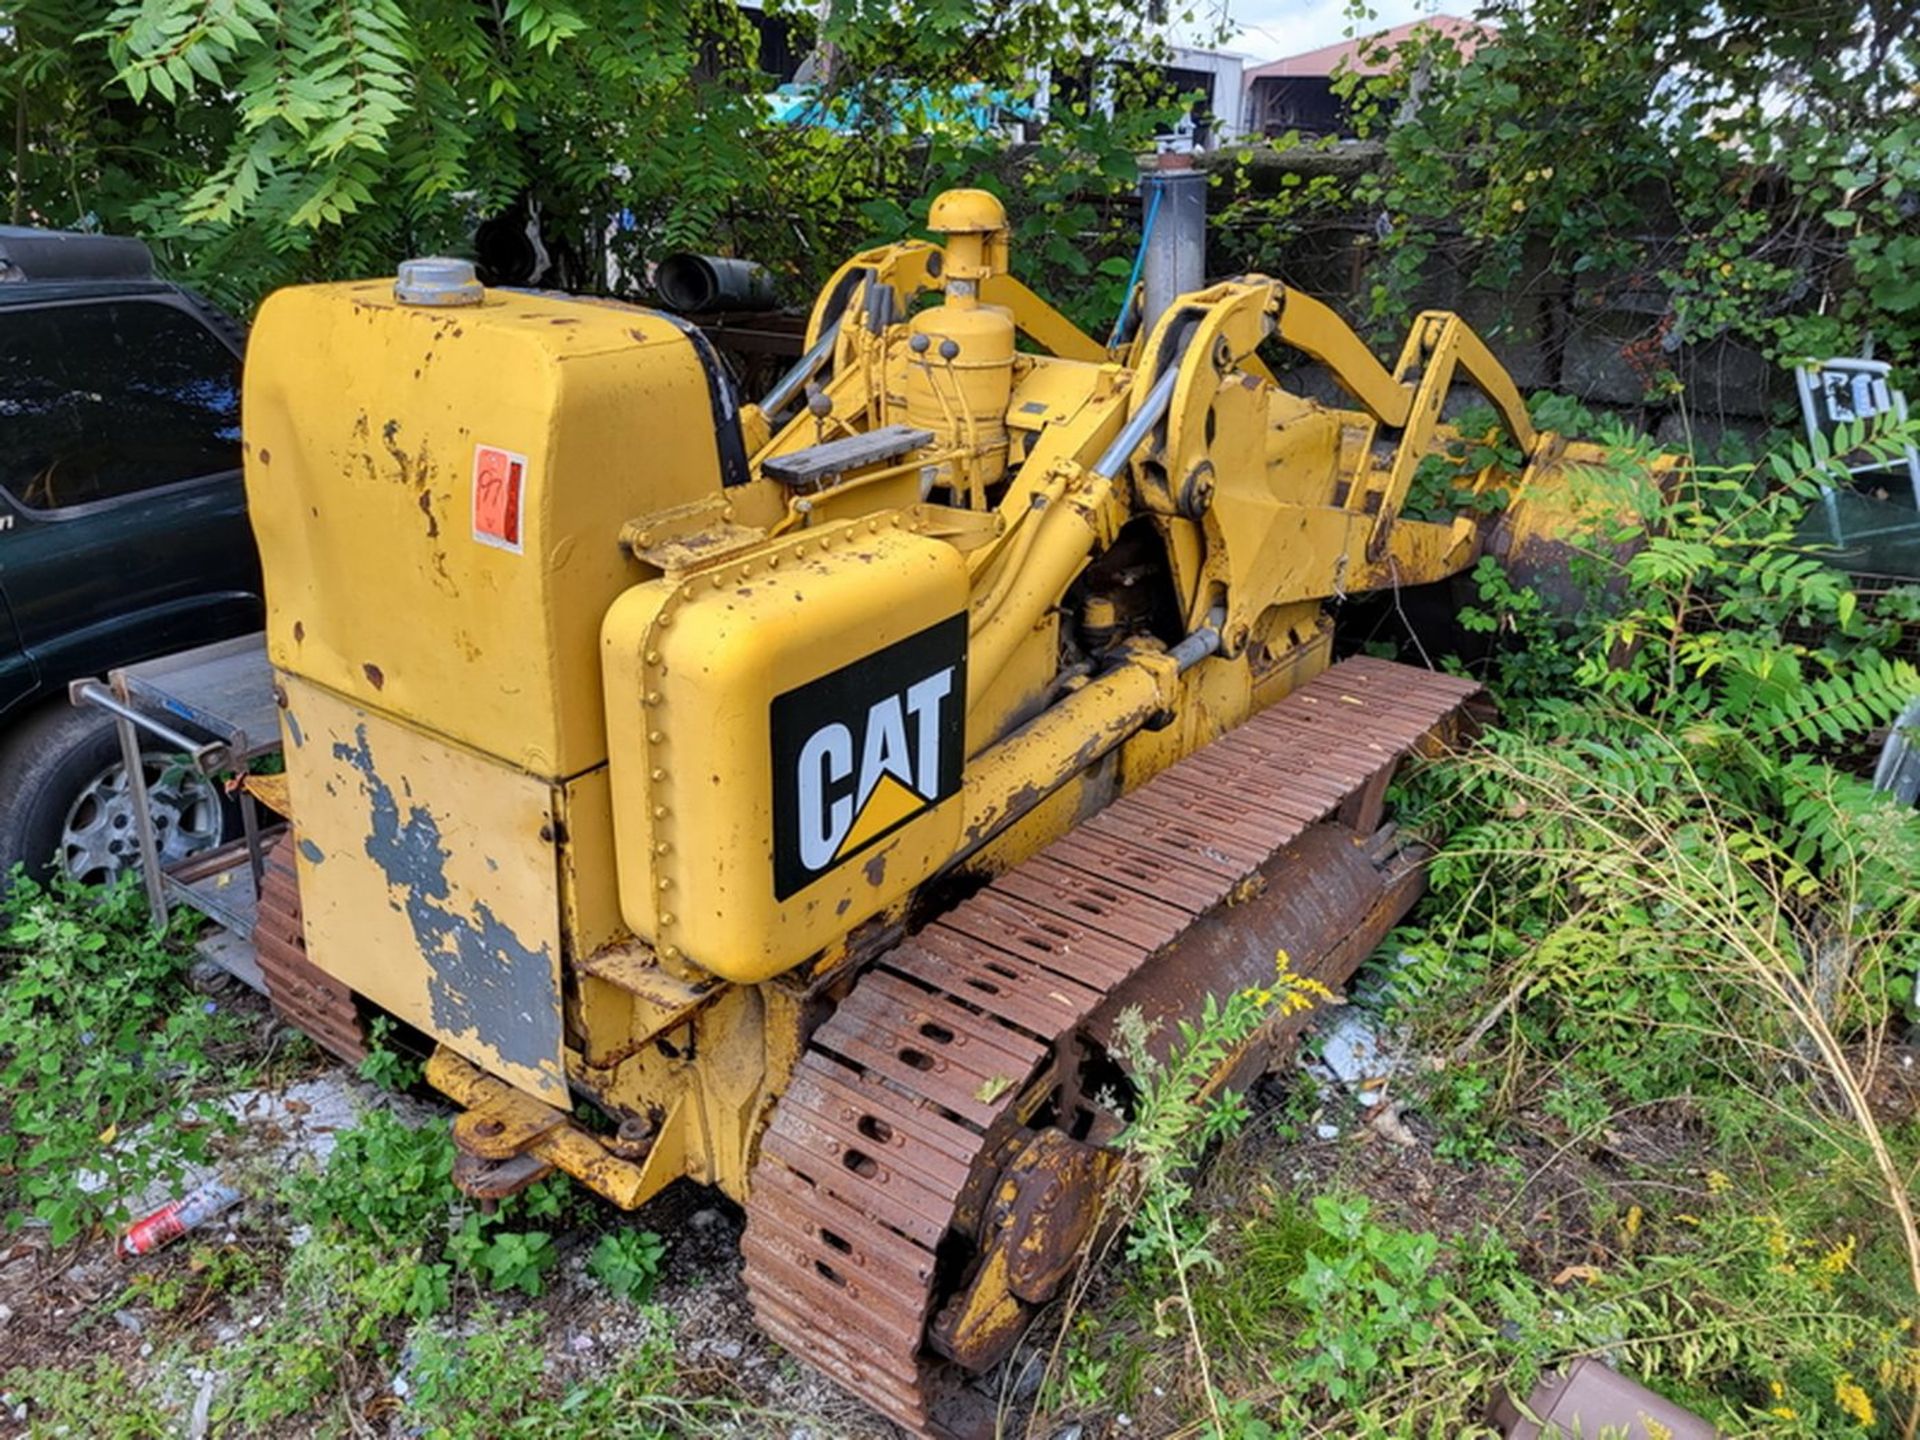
[[175, 1218]]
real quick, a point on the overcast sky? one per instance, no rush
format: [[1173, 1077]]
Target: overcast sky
[[1268, 29]]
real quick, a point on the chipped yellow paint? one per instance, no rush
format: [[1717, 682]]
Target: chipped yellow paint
[[428, 883], [363, 419]]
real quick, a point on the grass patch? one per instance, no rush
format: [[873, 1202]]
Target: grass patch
[[105, 1052], [1247, 1307]]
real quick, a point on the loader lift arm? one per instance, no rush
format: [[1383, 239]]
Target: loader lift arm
[[1157, 451], [1225, 326]]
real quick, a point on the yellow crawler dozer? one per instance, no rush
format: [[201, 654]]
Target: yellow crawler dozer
[[810, 793]]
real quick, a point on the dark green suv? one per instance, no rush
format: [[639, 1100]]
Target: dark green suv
[[123, 534]]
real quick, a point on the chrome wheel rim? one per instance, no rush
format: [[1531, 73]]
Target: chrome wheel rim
[[100, 839]]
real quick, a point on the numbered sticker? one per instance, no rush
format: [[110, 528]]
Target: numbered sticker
[[499, 483]]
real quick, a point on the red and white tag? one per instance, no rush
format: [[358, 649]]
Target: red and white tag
[[499, 484]]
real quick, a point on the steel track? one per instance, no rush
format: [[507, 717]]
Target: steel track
[[302, 994], [867, 1192]]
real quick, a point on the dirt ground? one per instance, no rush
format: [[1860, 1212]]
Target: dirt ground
[[65, 1313]]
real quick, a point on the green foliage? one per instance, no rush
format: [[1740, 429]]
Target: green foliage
[[1176, 1117], [1068, 240], [1449, 483], [488, 1379], [628, 1263], [473, 1383], [385, 1066], [1776, 144], [385, 1181], [1338, 1321], [1524, 631], [320, 89], [211, 1271], [1657, 896], [345, 1307], [392, 1184], [102, 1051], [1371, 1299], [1262, 224], [1086, 1378], [1247, 1309], [345, 1296], [504, 1259], [1460, 1100], [340, 1295], [261, 143], [94, 1398], [1718, 624], [1660, 889], [1739, 1311], [1755, 1309], [1720, 597]]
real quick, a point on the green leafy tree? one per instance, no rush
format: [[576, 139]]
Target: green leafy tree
[[258, 142], [1758, 165]]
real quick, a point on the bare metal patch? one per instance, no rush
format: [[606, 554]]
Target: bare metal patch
[[483, 981]]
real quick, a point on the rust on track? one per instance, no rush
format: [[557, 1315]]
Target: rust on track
[[302, 994], [889, 1159]]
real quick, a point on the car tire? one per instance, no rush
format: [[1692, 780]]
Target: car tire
[[64, 802]]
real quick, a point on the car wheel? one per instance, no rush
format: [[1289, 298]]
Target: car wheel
[[65, 802]]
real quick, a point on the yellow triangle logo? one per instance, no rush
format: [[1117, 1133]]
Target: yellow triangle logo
[[890, 803]]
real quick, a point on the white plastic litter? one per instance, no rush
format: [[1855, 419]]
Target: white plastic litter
[[1354, 1054], [280, 1129]]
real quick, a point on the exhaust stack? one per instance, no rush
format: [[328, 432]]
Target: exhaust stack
[[1174, 195]]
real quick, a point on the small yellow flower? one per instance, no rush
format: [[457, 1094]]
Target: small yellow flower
[[1547, 173], [1779, 1390], [1785, 1412], [1718, 1182], [1839, 1258], [1298, 993], [1518, 206], [1901, 1374], [1853, 1401], [1632, 1226]]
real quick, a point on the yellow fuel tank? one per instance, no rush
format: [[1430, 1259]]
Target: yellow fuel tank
[[438, 495], [787, 740]]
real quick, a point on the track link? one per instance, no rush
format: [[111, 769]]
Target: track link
[[908, 1100], [302, 994]]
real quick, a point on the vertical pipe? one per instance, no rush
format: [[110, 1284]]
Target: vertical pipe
[[150, 874], [1177, 248]]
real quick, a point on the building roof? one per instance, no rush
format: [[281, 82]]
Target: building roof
[[1370, 55]]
